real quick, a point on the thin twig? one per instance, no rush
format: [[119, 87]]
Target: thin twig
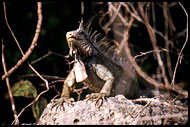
[[45, 76], [126, 32], [113, 17], [47, 86], [161, 35], [9, 87], [148, 52], [139, 111], [158, 101], [119, 14], [180, 54], [39, 4], [79, 91], [53, 82], [149, 79], [46, 55], [143, 74], [57, 54], [135, 14], [32, 46], [152, 36], [166, 17], [5, 15]]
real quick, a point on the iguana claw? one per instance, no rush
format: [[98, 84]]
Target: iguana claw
[[96, 97], [59, 102]]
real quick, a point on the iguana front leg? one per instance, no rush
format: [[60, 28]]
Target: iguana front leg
[[77, 74], [69, 82], [65, 95], [105, 74]]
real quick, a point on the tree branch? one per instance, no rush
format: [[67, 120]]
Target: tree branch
[[180, 54], [8, 86], [32, 46]]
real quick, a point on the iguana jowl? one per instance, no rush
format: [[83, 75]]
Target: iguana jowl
[[98, 66]]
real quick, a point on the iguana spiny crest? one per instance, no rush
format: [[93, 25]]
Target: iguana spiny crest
[[82, 42]]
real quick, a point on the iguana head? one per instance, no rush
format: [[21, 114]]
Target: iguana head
[[80, 41]]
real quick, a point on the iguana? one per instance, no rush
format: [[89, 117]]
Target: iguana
[[98, 66]]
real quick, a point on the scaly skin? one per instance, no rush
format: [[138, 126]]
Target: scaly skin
[[97, 71]]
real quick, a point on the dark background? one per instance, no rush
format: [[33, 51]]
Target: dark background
[[59, 18]]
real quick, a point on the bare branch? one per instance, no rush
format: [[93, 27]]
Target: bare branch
[[5, 15], [153, 40], [135, 14], [113, 17], [180, 54], [160, 102], [166, 17], [149, 79], [46, 55], [148, 52], [140, 111], [145, 76], [9, 87], [45, 76], [127, 22], [32, 46]]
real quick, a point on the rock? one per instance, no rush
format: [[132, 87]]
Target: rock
[[114, 111]]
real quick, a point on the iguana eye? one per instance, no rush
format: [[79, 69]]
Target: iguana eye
[[81, 32]]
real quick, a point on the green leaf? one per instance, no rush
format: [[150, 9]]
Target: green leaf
[[38, 107], [24, 88]]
